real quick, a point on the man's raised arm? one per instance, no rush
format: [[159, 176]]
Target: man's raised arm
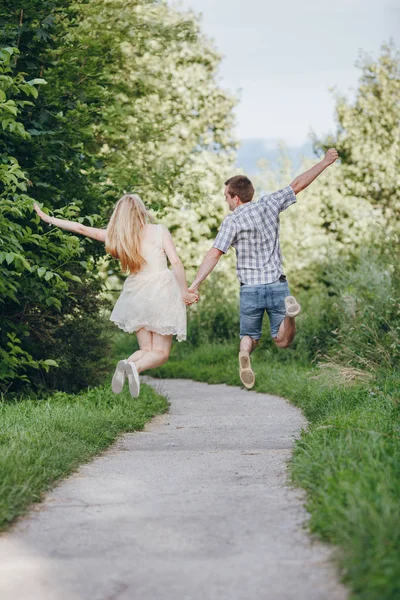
[[304, 180], [209, 262]]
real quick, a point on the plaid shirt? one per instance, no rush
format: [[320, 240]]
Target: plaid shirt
[[253, 230]]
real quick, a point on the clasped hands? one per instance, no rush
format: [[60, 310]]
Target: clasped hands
[[191, 297]]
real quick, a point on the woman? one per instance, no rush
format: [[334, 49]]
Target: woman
[[152, 302]]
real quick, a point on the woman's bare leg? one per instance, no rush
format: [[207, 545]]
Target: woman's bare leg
[[145, 340], [136, 355], [159, 354]]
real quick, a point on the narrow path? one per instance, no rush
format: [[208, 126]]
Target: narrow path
[[194, 508]]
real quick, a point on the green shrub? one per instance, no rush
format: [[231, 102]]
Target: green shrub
[[368, 310], [45, 282], [215, 318]]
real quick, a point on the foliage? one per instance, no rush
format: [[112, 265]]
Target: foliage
[[131, 102], [216, 317], [367, 305], [50, 140], [309, 238], [34, 267], [356, 202], [60, 153], [175, 140], [368, 136], [166, 125]]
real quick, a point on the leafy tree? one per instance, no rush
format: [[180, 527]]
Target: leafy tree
[[131, 103], [167, 131], [368, 140], [356, 203], [58, 152], [37, 268]]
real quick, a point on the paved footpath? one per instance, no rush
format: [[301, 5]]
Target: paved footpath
[[196, 507]]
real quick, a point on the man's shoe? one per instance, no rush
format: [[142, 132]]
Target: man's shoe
[[292, 306], [118, 379], [245, 371], [133, 378]]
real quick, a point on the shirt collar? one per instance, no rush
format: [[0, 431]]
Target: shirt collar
[[241, 207]]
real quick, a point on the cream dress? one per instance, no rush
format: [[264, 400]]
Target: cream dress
[[151, 299]]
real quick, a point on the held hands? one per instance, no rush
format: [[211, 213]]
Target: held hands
[[190, 298], [42, 215], [330, 157]]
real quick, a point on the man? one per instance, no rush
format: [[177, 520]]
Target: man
[[253, 230]]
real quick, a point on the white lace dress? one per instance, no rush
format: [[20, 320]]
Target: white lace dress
[[151, 299]]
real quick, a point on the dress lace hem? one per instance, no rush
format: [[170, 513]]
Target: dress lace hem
[[131, 328]]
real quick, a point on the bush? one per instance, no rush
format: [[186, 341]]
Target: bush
[[351, 314], [215, 318], [368, 310], [45, 281]]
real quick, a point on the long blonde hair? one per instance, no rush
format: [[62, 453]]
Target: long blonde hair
[[123, 232]]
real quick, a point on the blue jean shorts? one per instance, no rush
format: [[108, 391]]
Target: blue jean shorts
[[255, 300]]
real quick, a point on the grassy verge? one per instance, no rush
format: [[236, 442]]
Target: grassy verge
[[348, 461], [42, 441]]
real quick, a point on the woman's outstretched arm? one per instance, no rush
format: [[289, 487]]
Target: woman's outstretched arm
[[92, 232], [177, 267]]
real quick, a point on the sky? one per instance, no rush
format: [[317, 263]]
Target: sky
[[283, 56]]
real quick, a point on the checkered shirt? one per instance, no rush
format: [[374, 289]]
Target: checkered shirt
[[253, 230]]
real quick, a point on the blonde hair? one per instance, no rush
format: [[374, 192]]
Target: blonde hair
[[123, 232]]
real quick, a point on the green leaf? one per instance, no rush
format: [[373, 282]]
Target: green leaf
[[41, 271], [50, 362], [37, 81], [10, 107], [72, 277], [24, 262], [3, 97], [5, 55]]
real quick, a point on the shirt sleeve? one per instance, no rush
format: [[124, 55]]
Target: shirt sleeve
[[281, 199], [226, 236]]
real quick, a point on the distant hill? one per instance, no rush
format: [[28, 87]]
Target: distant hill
[[252, 150]]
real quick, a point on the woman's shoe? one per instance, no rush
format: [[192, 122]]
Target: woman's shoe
[[118, 379], [133, 379]]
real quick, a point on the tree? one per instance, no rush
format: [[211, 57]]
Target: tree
[[368, 136], [132, 102], [37, 267], [355, 203], [167, 131]]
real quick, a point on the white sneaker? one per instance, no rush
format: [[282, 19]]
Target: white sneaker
[[118, 379], [292, 306], [133, 378]]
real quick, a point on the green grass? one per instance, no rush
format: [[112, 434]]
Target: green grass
[[42, 441], [348, 460]]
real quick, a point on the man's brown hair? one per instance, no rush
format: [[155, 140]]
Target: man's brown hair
[[240, 186]]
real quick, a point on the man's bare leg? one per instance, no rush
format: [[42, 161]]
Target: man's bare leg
[[246, 373], [247, 344], [286, 333]]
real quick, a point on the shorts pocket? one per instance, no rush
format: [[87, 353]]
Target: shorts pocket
[[279, 293], [249, 301]]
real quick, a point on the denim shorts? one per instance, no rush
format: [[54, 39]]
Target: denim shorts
[[257, 299]]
